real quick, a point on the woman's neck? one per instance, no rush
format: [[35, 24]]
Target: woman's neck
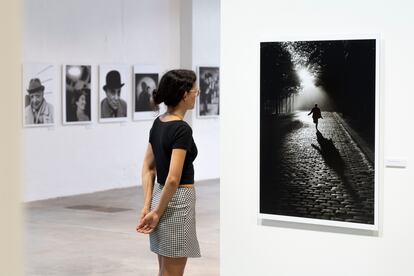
[[176, 112]]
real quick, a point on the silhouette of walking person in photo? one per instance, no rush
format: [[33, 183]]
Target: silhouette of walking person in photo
[[316, 114]]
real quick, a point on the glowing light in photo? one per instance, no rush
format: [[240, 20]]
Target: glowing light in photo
[[74, 72], [306, 78]]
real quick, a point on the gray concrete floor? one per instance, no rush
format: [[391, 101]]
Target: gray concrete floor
[[64, 241]]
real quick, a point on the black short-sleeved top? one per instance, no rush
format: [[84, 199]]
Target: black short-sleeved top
[[166, 136]]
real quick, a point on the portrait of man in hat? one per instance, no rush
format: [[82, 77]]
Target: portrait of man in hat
[[113, 106], [38, 111]]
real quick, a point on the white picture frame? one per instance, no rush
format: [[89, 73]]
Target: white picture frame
[[150, 75], [124, 97], [77, 94], [208, 102], [275, 216], [47, 74]]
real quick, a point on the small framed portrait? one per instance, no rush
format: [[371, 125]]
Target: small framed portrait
[[77, 94], [208, 103], [39, 94], [146, 79], [114, 93]]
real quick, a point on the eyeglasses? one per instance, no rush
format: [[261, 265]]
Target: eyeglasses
[[197, 91]]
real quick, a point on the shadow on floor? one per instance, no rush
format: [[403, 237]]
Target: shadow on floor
[[333, 159]]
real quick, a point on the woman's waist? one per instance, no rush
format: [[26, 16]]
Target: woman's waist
[[186, 186], [183, 185]]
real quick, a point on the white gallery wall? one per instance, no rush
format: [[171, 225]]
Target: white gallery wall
[[65, 160], [249, 247], [206, 52]]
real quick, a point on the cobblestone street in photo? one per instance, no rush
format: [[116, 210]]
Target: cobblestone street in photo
[[322, 175]]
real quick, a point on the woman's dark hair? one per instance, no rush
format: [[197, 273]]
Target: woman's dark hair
[[77, 94], [172, 87]]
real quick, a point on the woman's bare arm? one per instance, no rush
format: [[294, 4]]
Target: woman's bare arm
[[150, 221], [148, 177], [173, 179]]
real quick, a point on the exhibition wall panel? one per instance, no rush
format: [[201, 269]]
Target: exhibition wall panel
[[206, 52], [250, 245]]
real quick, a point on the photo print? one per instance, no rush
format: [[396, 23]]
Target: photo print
[[208, 104], [145, 86], [39, 94], [77, 94], [146, 78], [114, 93], [319, 133]]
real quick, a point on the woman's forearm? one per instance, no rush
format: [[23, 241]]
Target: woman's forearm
[[173, 180], [167, 193], [148, 179]]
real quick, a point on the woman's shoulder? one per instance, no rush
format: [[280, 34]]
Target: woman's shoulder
[[161, 121], [179, 126], [158, 122], [174, 127]]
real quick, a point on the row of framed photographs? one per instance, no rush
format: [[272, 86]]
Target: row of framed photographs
[[116, 98]]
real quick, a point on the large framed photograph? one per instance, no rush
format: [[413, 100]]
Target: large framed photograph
[[40, 83], [208, 103], [146, 78], [114, 93], [77, 94], [319, 133]]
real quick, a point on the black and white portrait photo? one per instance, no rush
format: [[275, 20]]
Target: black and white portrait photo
[[77, 94], [318, 132], [39, 94], [146, 79], [114, 93], [209, 99], [145, 84]]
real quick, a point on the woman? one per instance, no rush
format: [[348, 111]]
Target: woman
[[168, 215], [79, 102]]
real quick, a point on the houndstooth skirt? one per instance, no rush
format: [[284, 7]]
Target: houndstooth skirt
[[175, 234]]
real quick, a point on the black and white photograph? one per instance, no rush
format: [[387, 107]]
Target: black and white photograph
[[319, 132], [209, 84], [77, 94], [146, 78], [39, 94], [114, 93], [145, 86]]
